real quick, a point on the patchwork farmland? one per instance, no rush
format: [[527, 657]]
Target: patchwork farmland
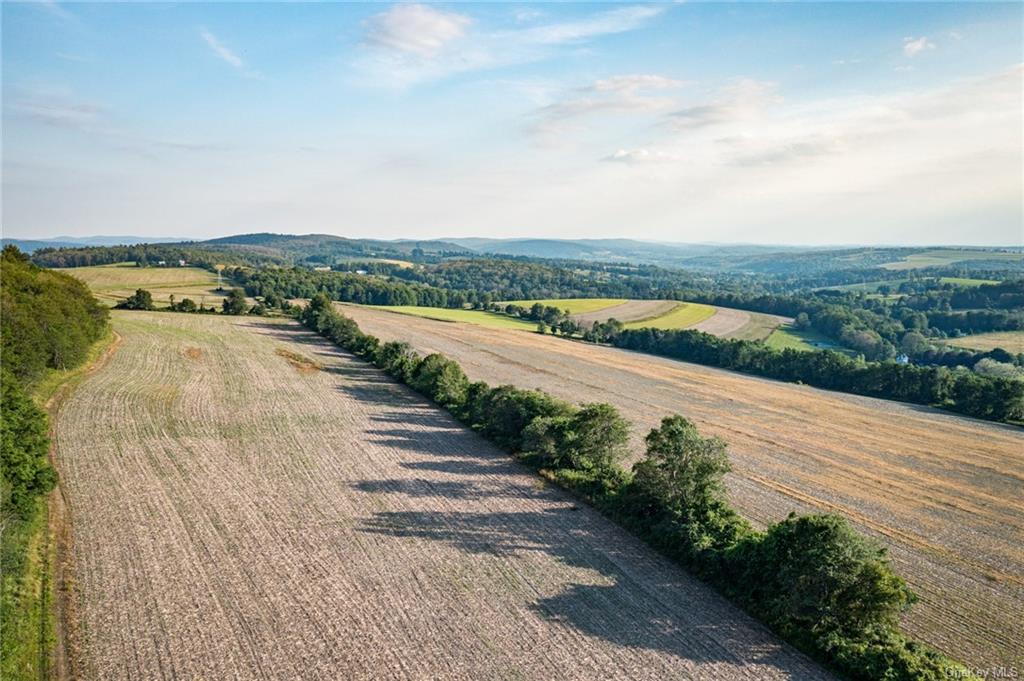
[[249, 502], [635, 314], [113, 283], [941, 491]]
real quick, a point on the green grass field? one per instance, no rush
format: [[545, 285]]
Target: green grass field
[[113, 283], [789, 336], [682, 316], [573, 305], [478, 317], [965, 281], [947, 256], [1011, 341]]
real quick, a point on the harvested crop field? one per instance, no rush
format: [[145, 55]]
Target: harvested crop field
[[729, 322], [249, 502], [1011, 341], [943, 492], [628, 311], [570, 305], [681, 316], [670, 314], [113, 283]]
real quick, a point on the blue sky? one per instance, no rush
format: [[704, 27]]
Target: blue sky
[[753, 122]]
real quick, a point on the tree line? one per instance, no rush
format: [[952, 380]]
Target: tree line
[[877, 328], [987, 397], [813, 579], [234, 303], [194, 254], [48, 321]]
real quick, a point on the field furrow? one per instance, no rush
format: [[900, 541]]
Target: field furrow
[[943, 492], [238, 515]]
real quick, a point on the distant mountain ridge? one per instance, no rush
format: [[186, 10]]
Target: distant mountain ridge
[[30, 245], [329, 249]]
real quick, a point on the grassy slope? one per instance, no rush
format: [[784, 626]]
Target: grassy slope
[[872, 286], [681, 316], [573, 305], [965, 281], [113, 283], [27, 599], [1011, 341], [760, 327], [789, 336], [942, 256], [26, 622], [479, 317]]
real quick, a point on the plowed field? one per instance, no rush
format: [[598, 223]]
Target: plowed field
[[943, 492], [248, 502]]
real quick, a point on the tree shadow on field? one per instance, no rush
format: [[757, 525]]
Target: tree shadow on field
[[660, 609], [293, 332], [472, 490]]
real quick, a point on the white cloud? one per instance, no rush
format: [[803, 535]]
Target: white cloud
[[414, 28], [526, 15], [743, 99], [59, 112], [915, 167], [616, 94], [915, 46], [409, 44], [67, 56], [633, 156], [226, 53], [606, 23]]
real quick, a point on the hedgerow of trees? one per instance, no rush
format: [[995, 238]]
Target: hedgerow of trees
[[812, 579], [988, 397], [48, 321]]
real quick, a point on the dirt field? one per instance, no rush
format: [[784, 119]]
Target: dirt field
[[729, 322], [942, 491], [248, 502], [629, 311]]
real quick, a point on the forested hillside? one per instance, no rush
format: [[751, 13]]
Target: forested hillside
[[49, 321]]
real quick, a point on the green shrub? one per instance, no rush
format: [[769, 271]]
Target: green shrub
[[502, 414], [442, 380], [24, 447], [398, 359], [592, 437], [815, 576]]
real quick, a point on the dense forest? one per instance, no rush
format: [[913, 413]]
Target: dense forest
[[193, 254], [49, 321]]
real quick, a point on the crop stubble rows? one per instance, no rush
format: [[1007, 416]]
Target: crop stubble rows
[[942, 491], [238, 515]]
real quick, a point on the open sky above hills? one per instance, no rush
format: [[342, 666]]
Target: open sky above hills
[[790, 123]]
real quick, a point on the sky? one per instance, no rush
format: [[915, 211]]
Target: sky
[[804, 123]]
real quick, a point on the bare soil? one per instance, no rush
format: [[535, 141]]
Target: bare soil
[[629, 311], [237, 519], [941, 491], [729, 322]]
